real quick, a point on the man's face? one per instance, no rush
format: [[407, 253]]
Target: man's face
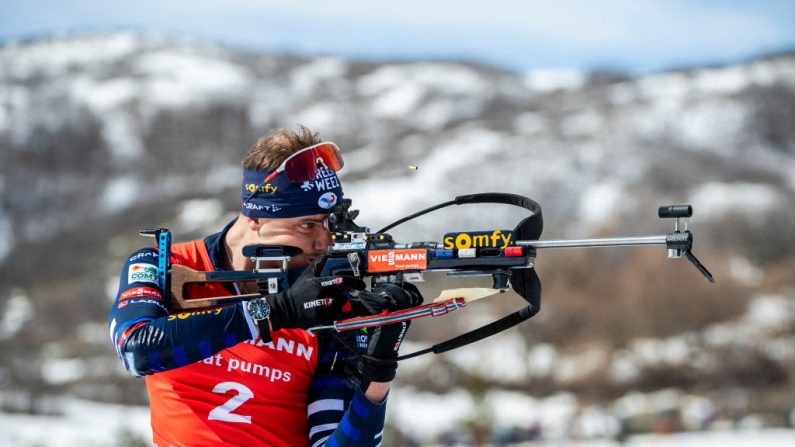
[[305, 232]]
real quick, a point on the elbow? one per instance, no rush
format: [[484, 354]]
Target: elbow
[[134, 361], [137, 348]]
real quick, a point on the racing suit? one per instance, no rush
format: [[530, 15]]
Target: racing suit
[[211, 381]]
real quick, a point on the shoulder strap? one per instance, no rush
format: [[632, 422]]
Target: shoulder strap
[[524, 281]]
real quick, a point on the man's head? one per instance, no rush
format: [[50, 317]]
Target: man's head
[[281, 212]]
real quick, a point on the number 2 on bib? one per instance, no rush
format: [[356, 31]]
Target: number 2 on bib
[[224, 412]]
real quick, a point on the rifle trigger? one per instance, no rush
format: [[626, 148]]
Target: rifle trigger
[[354, 261]]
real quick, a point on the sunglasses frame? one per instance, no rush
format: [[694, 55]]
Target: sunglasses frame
[[282, 167]]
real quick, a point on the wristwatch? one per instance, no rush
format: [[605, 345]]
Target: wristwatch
[[260, 312]]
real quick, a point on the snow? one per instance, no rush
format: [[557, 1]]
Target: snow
[[549, 80], [435, 114], [398, 101], [428, 414], [622, 93], [120, 193], [506, 349], [541, 360], [55, 56], [442, 79], [530, 123], [105, 96], [599, 203], [581, 124], [579, 365], [714, 200], [553, 413], [17, 312], [771, 313], [84, 423], [320, 115], [306, 78], [759, 328], [462, 153], [199, 213], [122, 135], [177, 79], [725, 81], [59, 371], [714, 125], [14, 102], [222, 176], [696, 411], [729, 438], [743, 270], [664, 86]]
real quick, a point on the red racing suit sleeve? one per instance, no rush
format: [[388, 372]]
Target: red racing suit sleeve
[[149, 340]]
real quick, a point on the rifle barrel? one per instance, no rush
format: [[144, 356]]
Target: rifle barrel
[[597, 242]]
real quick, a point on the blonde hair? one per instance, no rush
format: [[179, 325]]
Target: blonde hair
[[273, 148]]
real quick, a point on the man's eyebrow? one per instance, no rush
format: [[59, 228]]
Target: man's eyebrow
[[313, 219]]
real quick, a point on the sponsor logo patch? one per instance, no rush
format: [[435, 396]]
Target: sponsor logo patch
[[327, 200], [142, 255], [394, 260], [141, 292], [142, 273], [141, 301], [325, 180], [251, 187], [478, 239], [322, 302], [255, 207]]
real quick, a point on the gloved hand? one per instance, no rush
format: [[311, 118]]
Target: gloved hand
[[384, 341], [311, 300]]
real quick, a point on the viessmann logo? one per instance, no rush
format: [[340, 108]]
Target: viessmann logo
[[393, 260], [478, 239]]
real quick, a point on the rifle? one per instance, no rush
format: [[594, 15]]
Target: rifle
[[376, 256]]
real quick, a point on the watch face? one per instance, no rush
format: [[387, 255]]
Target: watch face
[[259, 309]]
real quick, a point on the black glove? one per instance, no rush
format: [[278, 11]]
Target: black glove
[[311, 300], [384, 341]]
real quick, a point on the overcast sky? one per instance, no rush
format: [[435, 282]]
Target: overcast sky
[[631, 35]]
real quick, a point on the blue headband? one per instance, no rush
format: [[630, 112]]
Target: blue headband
[[282, 198]]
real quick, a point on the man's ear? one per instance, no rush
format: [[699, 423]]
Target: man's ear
[[253, 223]]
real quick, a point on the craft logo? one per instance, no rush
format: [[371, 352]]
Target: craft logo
[[327, 200], [141, 292], [393, 260], [142, 273], [142, 255], [251, 187], [478, 239], [255, 207]]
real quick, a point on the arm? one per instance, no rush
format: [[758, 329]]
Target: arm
[[340, 415], [351, 417], [338, 412], [149, 340]]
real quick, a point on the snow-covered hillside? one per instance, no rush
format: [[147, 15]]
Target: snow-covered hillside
[[586, 149], [101, 135]]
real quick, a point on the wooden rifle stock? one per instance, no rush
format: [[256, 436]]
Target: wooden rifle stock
[[182, 276]]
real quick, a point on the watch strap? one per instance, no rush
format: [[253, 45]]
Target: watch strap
[[264, 327]]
